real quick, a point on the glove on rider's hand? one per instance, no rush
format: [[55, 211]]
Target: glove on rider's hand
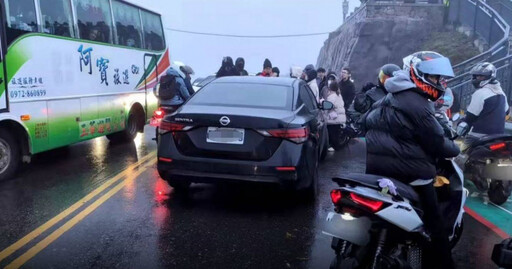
[[368, 86], [462, 128]]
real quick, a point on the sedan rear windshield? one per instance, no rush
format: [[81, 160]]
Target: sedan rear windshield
[[253, 95]]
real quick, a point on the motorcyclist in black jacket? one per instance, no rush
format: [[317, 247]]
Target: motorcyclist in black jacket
[[371, 93], [404, 139]]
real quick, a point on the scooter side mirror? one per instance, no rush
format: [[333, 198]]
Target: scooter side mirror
[[156, 90], [456, 117]]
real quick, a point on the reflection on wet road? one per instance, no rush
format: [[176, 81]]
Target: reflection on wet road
[[133, 219]]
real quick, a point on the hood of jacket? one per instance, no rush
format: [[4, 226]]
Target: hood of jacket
[[227, 62], [310, 73], [240, 63], [401, 81], [494, 87], [173, 72]]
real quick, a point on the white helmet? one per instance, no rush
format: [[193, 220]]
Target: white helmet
[[421, 65]]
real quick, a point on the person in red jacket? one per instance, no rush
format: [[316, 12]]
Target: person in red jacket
[[267, 69]]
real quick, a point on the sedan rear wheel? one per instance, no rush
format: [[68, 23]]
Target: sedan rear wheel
[[310, 174]]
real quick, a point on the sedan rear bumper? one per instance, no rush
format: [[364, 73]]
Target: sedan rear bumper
[[284, 167], [203, 172]]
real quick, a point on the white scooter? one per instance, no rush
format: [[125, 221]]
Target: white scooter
[[374, 228]]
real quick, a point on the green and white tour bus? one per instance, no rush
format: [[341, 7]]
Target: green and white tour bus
[[73, 70]]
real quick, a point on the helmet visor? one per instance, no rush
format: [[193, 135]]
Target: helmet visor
[[439, 66]]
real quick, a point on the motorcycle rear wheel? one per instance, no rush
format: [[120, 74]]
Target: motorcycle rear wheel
[[498, 194]]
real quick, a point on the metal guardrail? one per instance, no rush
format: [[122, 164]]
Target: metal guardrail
[[503, 7], [490, 26], [485, 23]]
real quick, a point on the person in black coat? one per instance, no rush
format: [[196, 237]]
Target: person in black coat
[[404, 140], [347, 88], [371, 93], [227, 68], [240, 65], [321, 80]]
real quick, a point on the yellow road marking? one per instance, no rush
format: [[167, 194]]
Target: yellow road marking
[[41, 229], [72, 222]]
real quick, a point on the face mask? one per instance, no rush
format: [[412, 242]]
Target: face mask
[[476, 83]]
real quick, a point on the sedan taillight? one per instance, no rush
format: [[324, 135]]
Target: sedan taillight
[[297, 135], [166, 127]]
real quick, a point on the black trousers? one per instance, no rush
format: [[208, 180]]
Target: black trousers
[[334, 131], [438, 254]]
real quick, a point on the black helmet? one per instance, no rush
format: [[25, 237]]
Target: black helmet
[[483, 74], [386, 71], [421, 65]]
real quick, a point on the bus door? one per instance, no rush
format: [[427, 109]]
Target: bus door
[[4, 101], [150, 61]]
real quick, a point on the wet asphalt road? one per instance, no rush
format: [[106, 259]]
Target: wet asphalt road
[[146, 225]]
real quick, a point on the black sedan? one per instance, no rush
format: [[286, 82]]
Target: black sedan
[[253, 129]]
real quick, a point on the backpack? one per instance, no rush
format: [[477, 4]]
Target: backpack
[[169, 87]]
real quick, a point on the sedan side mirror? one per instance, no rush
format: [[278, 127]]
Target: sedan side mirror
[[326, 105]]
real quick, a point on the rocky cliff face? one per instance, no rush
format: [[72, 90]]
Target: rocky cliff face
[[377, 34]]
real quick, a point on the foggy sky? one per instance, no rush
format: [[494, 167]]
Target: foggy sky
[[246, 17]]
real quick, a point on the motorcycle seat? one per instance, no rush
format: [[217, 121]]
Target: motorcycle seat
[[489, 138], [372, 181]]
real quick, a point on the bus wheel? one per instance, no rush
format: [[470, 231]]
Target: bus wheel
[[127, 134], [131, 127], [9, 155]]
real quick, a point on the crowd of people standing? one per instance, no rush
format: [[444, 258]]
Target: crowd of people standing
[[338, 89]]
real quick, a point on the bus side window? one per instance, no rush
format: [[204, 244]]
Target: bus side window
[[153, 31], [21, 18], [57, 18], [94, 20], [128, 24]]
